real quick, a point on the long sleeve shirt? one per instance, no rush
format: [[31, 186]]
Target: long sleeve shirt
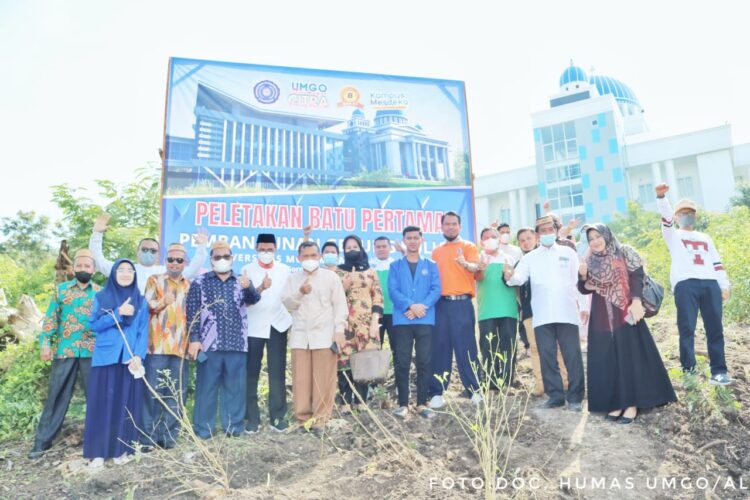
[[110, 346], [318, 315], [66, 325], [406, 289], [168, 322], [216, 312], [144, 272], [269, 311], [553, 274], [694, 255]]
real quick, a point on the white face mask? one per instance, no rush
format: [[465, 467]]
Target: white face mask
[[505, 238], [490, 244], [310, 265], [222, 266], [265, 257]]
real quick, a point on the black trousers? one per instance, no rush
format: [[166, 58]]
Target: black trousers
[[62, 381], [497, 344], [522, 335], [275, 348], [386, 326], [347, 395], [547, 339], [407, 339]]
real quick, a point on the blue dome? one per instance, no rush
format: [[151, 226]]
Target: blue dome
[[357, 112], [613, 86], [572, 74]]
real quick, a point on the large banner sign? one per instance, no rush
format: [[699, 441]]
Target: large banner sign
[[252, 149]]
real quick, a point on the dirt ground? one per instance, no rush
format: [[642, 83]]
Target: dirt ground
[[679, 451]]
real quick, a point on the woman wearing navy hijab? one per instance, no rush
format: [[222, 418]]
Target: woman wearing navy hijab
[[115, 396]]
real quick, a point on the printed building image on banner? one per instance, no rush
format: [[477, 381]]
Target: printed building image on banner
[[252, 149]]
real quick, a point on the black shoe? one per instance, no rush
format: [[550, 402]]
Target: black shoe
[[551, 403], [168, 445], [280, 426], [627, 420], [37, 452], [147, 448], [613, 418], [252, 429]]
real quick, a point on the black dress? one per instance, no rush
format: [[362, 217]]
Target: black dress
[[624, 365]]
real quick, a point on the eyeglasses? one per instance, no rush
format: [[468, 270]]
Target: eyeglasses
[[125, 270], [150, 250], [179, 260], [217, 258]]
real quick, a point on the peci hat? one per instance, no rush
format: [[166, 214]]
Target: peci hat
[[176, 247], [265, 238], [685, 203], [220, 244]]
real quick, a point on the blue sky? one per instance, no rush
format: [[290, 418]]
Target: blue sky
[[83, 85]]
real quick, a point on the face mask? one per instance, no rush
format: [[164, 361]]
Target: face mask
[[222, 266], [548, 239], [147, 258], [351, 256], [491, 244], [265, 257], [83, 276], [330, 259], [504, 238], [686, 220], [310, 265], [174, 274]]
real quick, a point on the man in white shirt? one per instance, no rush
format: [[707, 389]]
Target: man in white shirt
[[268, 323], [505, 247], [553, 272], [317, 301], [147, 255], [699, 282]]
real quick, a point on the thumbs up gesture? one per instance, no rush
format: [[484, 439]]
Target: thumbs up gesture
[[484, 261], [244, 280], [266, 284], [583, 270], [306, 287], [169, 298], [126, 309], [347, 281], [507, 270]]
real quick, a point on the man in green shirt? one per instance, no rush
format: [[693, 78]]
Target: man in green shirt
[[68, 342], [382, 264], [498, 312]]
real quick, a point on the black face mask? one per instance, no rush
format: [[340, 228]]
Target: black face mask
[[83, 276], [351, 256]]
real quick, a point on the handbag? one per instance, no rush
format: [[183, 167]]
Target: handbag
[[653, 295], [370, 365]]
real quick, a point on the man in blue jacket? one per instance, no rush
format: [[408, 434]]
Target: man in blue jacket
[[414, 287]]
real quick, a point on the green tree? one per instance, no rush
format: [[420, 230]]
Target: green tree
[[742, 199], [134, 211], [26, 237]]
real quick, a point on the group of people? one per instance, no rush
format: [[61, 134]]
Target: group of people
[[150, 321]]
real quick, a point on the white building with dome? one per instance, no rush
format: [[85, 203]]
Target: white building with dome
[[594, 152]]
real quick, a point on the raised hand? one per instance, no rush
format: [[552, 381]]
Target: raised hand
[[306, 287], [306, 232], [127, 309], [661, 189], [484, 261], [460, 259], [244, 280], [202, 237], [266, 284], [583, 270], [347, 281], [100, 224]]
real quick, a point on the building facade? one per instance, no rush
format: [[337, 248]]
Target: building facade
[[236, 144], [594, 153]]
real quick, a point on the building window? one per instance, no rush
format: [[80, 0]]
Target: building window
[[563, 173], [685, 186], [505, 215], [646, 193], [564, 197], [559, 142]]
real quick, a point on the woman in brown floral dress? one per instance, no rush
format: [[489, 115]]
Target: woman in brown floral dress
[[365, 300]]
